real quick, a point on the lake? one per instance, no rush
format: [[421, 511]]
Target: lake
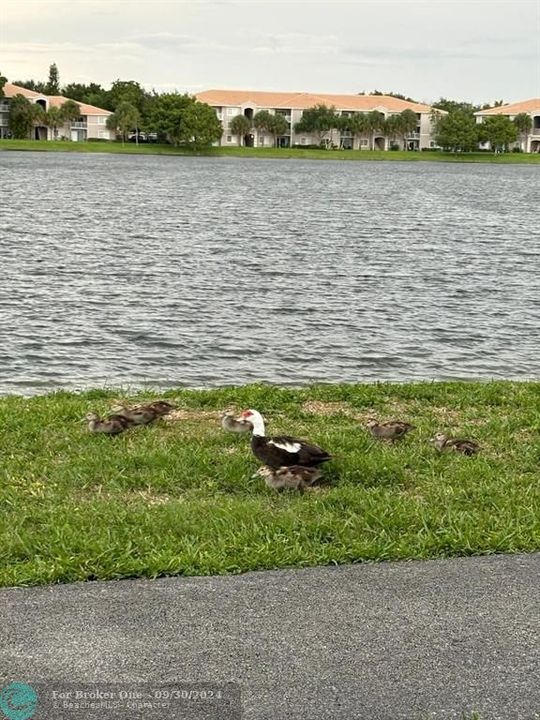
[[169, 271]]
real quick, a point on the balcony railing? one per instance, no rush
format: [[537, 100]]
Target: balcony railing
[[78, 126]]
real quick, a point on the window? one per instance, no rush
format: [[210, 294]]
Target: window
[[229, 138], [303, 141], [104, 135], [101, 120], [261, 140], [363, 141], [232, 111]]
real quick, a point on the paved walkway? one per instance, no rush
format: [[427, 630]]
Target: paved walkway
[[395, 641]]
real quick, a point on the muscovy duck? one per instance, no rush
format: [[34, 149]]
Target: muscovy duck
[[282, 451]]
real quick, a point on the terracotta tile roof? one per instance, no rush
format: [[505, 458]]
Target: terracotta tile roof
[[11, 90], [303, 100], [526, 106], [58, 100]]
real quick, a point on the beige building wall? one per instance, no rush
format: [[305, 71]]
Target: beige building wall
[[421, 137]]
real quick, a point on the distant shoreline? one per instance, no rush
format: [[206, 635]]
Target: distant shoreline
[[269, 153]]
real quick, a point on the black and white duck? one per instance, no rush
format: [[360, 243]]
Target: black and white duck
[[295, 477], [444, 442], [231, 423], [111, 425], [391, 430], [283, 450]]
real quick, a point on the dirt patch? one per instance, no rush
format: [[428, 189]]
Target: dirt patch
[[178, 415], [148, 497]]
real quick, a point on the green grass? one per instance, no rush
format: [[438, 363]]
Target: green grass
[[179, 497], [282, 153]]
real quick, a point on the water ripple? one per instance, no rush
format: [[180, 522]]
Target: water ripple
[[202, 272]]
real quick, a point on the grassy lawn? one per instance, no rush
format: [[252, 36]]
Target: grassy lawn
[[178, 497], [282, 153]]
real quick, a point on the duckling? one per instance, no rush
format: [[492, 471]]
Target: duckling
[[139, 415], [111, 425], [391, 430], [232, 424], [443, 442], [296, 477], [161, 407]]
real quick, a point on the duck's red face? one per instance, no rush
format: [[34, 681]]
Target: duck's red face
[[246, 415]]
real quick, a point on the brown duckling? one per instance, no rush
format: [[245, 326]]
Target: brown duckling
[[160, 407], [111, 425], [444, 442], [138, 415], [391, 430], [296, 477], [234, 424]]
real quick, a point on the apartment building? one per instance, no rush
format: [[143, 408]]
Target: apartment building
[[529, 143], [229, 103], [90, 124]]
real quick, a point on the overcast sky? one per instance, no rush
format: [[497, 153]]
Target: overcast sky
[[477, 50]]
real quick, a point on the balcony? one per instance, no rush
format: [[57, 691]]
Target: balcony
[[78, 126]]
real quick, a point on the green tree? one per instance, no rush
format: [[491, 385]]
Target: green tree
[[70, 110], [319, 120], [38, 87], [456, 131], [53, 84], [500, 131], [22, 114], [356, 124], [127, 91], [523, 123], [165, 115], [3, 81], [53, 119], [92, 94], [240, 126], [391, 94], [393, 128], [407, 124], [125, 118], [452, 106], [278, 126], [199, 126], [376, 124]]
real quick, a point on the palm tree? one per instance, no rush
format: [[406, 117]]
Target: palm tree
[[276, 124], [523, 123], [376, 124], [408, 122], [240, 126], [393, 128], [124, 118], [53, 118]]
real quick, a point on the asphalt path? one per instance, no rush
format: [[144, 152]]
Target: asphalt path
[[426, 640]]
